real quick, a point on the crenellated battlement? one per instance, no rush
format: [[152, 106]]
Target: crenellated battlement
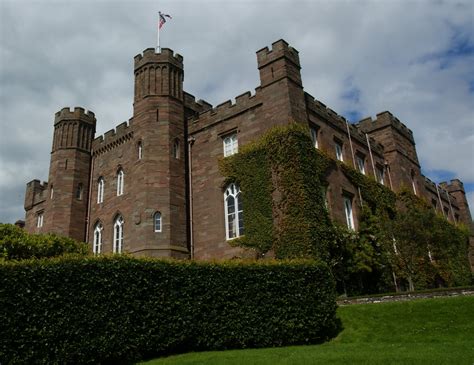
[[453, 185], [341, 122], [224, 110], [279, 49], [112, 138], [35, 193], [385, 119], [77, 114], [150, 56]]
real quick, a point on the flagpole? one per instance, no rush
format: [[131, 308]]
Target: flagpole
[[158, 50]]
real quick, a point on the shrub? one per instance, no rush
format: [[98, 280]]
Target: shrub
[[73, 310], [16, 244]]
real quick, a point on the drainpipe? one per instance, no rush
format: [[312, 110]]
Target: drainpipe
[[190, 184], [440, 201], [371, 157], [89, 197], [387, 168], [353, 160]]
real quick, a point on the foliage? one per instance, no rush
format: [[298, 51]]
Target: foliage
[[16, 244], [79, 310], [281, 176], [432, 331]]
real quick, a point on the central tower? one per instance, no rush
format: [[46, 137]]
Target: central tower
[[160, 133]]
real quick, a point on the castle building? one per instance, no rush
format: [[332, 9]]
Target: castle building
[[152, 186]]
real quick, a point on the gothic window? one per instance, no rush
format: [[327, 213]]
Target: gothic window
[[157, 222], [349, 212], [79, 191], [140, 150], [338, 147], [39, 220], [100, 190], [176, 148], [120, 182], [314, 136], [234, 219], [231, 145], [97, 245], [118, 234], [360, 161]]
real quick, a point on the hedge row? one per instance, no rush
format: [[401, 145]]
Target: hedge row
[[81, 310], [17, 244]]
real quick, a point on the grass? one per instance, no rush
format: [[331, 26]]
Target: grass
[[424, 331]]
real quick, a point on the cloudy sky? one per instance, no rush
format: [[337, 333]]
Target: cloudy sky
[[414, 58]]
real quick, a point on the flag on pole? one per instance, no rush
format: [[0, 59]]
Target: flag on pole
[[163, 19]]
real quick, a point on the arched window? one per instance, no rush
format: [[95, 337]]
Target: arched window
[[176, 148], [79, 191], [120, 182], [118, 234], [100, 190], [97, 246], [157, 222], [140, 150], [234, 218]]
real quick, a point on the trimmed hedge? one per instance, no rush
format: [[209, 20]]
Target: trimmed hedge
[[17, 244], [76, 310]]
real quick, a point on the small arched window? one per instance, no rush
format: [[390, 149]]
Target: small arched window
[[120, 181], [140, 150], [157, 222], [118, 234], [79, 191], [100, 190], [234, 217], [176, 148], [97, 245]]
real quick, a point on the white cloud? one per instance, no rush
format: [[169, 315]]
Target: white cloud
[[415, 59]]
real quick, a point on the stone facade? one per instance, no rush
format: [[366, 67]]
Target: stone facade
[[168, 154]]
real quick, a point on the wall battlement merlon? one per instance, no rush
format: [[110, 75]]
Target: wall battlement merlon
[[77, 114], [453, 185], [166, 55], [341, 122], [385, 119], [279, 49], [223, 110], [121, 130]]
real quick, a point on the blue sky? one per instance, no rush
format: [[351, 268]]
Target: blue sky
[[413, 58]]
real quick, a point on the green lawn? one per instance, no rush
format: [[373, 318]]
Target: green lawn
[[425, 331]]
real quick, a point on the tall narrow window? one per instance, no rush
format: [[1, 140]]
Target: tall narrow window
[[51, 194], [234, 218], [140, 150], [314, 136], [379, 174], [339, 155], [97, 246], [176, 148], [157, 221], [79, 191], [100, 190], [413, 182], [118, 235], [120, 182], [39, 220], [230, 145], [360, 160], [349, 213]]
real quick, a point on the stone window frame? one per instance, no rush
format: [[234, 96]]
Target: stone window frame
[[157, 222], [118, 234], [379, 173], [234, 224], [360, 162], [39, 218], [339, 149], [97, 240], [100, 189], [176, 148], [348, 203], [120, 181], [51, 192], [314, 131], [79, 191], [230, 143], [139, 149]]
